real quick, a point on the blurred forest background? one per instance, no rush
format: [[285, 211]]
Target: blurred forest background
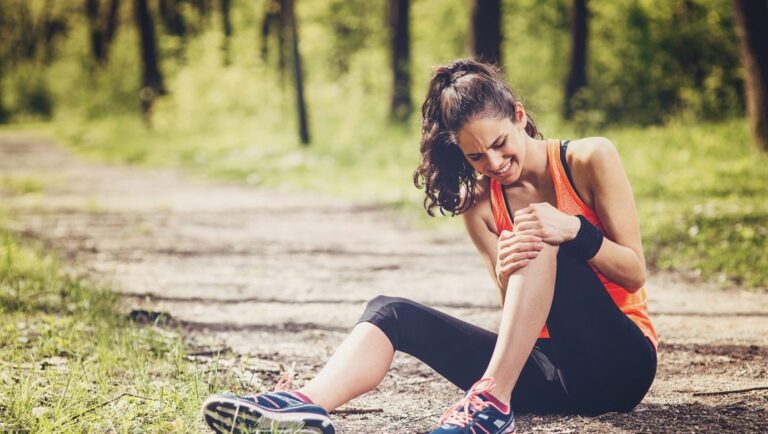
[[324, 95]]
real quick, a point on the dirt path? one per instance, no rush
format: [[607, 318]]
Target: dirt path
[[282, 277]]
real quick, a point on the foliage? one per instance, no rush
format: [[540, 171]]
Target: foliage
[[651, 61], [702, 199]]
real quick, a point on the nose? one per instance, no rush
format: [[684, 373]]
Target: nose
[[495, 161]]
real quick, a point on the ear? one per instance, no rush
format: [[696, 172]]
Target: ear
[[521, 118]]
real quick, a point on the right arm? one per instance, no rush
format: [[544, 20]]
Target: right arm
[[503, 254]]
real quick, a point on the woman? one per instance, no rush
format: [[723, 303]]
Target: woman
[[556, 225]]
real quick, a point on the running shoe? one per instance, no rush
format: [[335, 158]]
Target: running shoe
[[477, 413], [277, 412]]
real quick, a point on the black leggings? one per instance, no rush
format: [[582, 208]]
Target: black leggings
[[596, 360]]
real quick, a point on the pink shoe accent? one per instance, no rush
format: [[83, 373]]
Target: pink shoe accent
[[471, 401], [270, 401], [302, 397], [504, 408]]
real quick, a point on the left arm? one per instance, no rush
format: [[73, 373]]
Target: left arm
[[620, 258], [598, 171]]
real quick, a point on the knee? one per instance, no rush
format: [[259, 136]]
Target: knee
[[387, 313], [571, 269], [384, 306]]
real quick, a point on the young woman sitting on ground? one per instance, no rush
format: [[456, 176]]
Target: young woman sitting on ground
[[555, 223]]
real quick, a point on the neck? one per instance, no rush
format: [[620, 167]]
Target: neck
[[535, 167]]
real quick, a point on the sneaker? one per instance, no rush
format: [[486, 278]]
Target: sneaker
[[477, 413], [276, 412]]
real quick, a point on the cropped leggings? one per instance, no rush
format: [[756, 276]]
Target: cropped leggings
[[595, 361]]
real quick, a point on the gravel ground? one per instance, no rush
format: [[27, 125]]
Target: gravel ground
[[280, 277]]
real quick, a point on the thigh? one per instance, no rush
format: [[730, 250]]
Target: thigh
[[605, 359]]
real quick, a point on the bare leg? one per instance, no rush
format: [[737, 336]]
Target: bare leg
[[357, 366], [526, 307]]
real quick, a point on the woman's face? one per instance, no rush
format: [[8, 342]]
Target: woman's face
[[494, 147]]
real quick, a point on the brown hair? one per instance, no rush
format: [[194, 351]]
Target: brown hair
[[458, 92]]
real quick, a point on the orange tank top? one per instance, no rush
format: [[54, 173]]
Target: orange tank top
[[634, 305]]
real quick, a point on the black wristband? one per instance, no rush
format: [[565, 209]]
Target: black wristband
[[587, 242]]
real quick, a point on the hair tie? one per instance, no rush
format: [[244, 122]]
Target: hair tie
[[458, 74]]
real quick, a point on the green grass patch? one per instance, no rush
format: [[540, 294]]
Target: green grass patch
[[66, 353], [21, 185]]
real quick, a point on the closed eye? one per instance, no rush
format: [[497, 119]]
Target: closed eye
[[498, 143]]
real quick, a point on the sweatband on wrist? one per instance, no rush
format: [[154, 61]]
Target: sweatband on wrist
[[587, 242]]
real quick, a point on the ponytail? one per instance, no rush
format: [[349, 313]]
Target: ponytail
[[458, 92]]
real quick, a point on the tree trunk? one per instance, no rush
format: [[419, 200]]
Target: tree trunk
[[151, 78], [401, 107], [752, 19], [577, 72], [97, 35], [273, 23], [226, 24], [226, 17], [485, 34], [293, 34], [102, 28], [110, 26], [173, 21]]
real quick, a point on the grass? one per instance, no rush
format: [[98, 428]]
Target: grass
[[700, 187], [702, 198], [21, 185], [66, 353]]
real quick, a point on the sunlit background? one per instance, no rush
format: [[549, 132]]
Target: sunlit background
[[663, 80]]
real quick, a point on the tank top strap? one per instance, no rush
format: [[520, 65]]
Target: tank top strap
[[568, 200], [499, 207]]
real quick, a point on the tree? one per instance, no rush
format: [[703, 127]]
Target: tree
[[752, 19], [401, 107], [289, 20], [485, 32], [577, 71], [151, 78], [172, 19], [272, 24], [103, 28], [226, 24]]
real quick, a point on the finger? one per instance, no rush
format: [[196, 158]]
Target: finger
[[505, 235], [525, 218], [534, 225], [521, 247], [518, 239], [522, 212], [511, 268], [519, 256], [528, 234]]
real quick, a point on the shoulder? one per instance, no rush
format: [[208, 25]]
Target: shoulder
[[480, 214], [592, 154]]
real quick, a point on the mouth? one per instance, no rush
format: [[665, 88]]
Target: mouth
[[504, 170]]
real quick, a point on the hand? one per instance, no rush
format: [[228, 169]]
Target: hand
[[546, 222], [514, 252]]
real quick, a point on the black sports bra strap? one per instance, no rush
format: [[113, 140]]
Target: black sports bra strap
[[564, 161]]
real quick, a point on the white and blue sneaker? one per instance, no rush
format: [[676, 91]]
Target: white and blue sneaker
[[276, 412], [477, 413]]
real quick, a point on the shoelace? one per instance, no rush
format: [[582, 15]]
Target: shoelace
[[285, 381], [460, 414]]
